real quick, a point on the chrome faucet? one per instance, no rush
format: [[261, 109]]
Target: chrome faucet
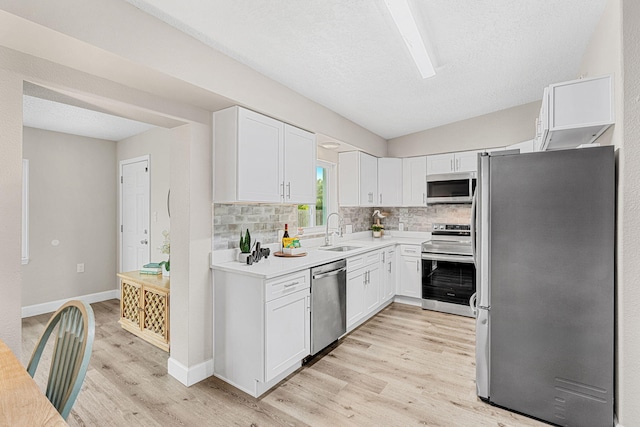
[[326, 233]]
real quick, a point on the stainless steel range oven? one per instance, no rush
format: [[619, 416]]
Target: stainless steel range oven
[[448, 271]]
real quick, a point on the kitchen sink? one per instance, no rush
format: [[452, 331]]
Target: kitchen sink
[[340, 248]]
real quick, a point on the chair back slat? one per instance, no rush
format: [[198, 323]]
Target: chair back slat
[[71, 353], [60, 359]]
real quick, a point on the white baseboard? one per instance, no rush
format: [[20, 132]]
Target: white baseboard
[[49, 307], [190, 376]]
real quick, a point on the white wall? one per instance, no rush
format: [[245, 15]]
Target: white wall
[[191, 282], [72, 199], [155, 143], [10, 208], [497, 129], [629, 223]]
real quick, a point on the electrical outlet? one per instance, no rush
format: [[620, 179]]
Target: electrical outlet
[[349, 229], [401, 226], [80, 268]]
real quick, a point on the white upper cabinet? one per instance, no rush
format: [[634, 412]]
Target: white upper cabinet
[[467, 161], [575, 112], [299, 166], [260, 159], [358, 179], [389, 182], [464, 161], [414, 181], [440, 163]]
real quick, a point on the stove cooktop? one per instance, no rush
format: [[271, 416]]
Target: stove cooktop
[[450, 239]]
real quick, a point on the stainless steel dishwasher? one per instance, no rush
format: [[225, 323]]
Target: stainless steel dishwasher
[[328, 304]]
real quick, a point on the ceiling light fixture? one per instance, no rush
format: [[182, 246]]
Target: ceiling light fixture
[[330, 145], [404, 20]]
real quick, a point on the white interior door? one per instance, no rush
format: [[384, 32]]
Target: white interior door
[[134, 184]]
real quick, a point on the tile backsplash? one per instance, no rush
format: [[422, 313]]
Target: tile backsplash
[[421, 218], [264, 221]]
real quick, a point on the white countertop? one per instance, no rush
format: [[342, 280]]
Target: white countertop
[[277, 266]]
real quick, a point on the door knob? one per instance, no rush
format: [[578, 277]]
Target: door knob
[[144, 242]]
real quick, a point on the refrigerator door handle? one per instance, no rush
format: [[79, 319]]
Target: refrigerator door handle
[[474, 216], [473, 304], [482, 353]]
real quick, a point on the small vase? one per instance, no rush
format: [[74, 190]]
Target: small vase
[[377, 234], [165, 272], [242, 257]]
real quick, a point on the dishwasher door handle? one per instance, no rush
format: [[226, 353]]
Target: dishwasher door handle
[[329, 274]]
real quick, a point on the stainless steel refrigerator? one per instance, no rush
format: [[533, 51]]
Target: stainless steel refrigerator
[[544, 252]]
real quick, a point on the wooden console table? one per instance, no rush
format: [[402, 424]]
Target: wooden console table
[[21, 401], [144, 307]]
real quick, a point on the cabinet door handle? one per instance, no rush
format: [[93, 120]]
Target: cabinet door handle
[[384, 258], [289, 190], [424, 198], [282, 189], [452, 168], [389, 267], [380, 198], [418, 265]]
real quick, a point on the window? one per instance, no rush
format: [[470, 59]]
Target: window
[[310, 216], [25, 211]]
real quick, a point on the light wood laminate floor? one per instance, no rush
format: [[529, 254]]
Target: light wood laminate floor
[[404, 367]]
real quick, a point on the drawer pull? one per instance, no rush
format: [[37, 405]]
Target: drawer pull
[[288, 285]]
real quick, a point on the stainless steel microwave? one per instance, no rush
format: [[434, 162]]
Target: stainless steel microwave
[[451, 187]]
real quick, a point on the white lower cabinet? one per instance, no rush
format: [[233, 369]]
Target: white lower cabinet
[[355, 296], [410, 282], [388, 271], [261, 328], [372, 288], [363, 286], [287, 328]]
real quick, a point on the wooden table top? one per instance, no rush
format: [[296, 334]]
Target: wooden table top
[[21, 401]]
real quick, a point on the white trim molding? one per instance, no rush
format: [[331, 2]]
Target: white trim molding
[[50, 307], [25, 211], [192, 375]]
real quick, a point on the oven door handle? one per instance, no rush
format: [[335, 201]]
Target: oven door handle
[[448, 258]]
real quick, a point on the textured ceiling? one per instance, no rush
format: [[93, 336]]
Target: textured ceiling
[[58, 117], [348, 56]]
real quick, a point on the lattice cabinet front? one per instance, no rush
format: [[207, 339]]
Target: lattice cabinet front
[[144, 307], [130, 302], [155, 313]]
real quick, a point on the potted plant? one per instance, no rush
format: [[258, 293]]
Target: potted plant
[[377, 230], [245, 247], [166, 249]]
